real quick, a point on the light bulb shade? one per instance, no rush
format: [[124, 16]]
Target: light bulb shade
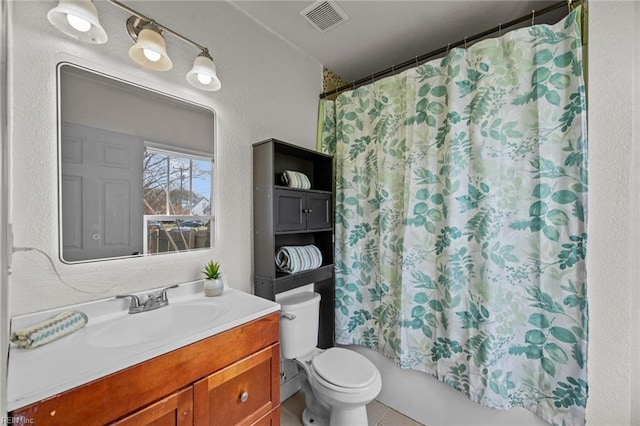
[[203, 74], [86, 11], [151, 39]]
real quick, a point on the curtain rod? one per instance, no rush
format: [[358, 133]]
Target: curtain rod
[[531, 16]]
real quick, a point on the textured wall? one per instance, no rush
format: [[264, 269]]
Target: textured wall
[[269, 89], [613, 260]]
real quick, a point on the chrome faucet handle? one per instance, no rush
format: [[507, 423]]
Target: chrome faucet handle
[[163, 293], [135, 300]]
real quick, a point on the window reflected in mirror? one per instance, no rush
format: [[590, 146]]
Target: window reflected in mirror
[[177, 201], [176, 184]]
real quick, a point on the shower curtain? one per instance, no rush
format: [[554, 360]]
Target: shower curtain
[[461, 189]]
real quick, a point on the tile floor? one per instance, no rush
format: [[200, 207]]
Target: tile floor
[[378, 413]]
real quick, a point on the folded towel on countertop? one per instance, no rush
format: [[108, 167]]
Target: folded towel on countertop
[[49, 330], [292, 259], [296, 180]]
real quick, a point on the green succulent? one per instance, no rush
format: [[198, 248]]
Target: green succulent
[[212, 270]]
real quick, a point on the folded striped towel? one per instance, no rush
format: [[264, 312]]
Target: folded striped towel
[[292, 259], [49, 330], [296, 180]]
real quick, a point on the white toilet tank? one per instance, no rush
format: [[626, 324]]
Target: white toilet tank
[[299, 316]]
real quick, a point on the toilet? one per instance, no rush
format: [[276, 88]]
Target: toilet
[[337, 383]]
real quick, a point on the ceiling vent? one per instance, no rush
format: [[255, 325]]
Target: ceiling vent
[[324, 15]]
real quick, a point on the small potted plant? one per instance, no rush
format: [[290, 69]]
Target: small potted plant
[[213, 285]]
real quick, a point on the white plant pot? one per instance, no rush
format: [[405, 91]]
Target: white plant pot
[[213, 287]]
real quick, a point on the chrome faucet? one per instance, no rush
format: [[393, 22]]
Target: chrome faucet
[[153, 301]]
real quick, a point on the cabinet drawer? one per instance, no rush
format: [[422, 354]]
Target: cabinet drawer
[[241, 393]]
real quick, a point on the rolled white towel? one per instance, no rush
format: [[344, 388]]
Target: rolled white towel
[[295, 179], [292, 259], [49, 330]]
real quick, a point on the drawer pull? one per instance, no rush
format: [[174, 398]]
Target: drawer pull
[[244, 396]]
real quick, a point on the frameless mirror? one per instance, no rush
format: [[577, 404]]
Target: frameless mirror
[[135, 169]]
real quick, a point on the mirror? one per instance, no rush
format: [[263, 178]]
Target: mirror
[[135, 169]]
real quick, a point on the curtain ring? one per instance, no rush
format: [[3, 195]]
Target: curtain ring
[[448, 48], [533, 17], [373, 79], [569, 5], [465, 42], [353, 85], [500, 28], [416, 60], [393, 70]]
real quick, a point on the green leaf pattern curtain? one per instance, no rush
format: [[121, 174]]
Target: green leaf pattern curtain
[[461, 194]]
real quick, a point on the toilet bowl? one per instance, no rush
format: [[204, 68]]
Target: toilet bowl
[[337, 383]]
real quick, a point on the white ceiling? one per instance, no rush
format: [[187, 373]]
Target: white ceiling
[[380, 34]]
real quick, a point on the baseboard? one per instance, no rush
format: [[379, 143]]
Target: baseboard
[[288, 388]]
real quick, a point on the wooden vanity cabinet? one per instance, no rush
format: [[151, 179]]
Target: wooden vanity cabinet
[[231, 378]]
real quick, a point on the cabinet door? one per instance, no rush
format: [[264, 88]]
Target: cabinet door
[[288, 210], [174, 410], [319, 211], [271, 419], [240, 394]]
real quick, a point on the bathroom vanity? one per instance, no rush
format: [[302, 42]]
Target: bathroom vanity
[[226, 373]]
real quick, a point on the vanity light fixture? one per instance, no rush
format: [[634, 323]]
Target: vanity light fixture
[[79, 19], [150, 50], [203, 74]]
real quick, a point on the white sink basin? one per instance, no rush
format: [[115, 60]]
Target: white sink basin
[[173, 320]]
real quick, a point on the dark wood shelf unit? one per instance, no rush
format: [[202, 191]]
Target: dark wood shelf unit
[[286, 216]]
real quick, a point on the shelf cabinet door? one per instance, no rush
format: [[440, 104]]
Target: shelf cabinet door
[[301, 210], [319, 211], [289, 210], [174, 410]]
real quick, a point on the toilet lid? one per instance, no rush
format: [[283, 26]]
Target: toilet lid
[[344, 368]]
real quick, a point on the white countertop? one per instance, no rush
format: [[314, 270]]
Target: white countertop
[[78, 358]]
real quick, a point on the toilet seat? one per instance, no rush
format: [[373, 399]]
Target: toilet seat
[[343, 370]]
